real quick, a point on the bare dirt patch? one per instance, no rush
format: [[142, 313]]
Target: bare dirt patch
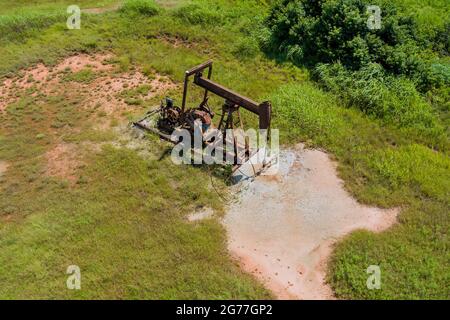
[[102, 93], [105, 89], [97, 62], [63, 161], [3, 167], [46, 79], [283, 228]]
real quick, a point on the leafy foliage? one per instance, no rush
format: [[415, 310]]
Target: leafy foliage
[[311, 32], [359, 63]]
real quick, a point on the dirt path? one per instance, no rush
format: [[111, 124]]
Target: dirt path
[[283, 227]]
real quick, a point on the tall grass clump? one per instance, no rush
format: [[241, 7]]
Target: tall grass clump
[[16, 26], [200, 15], [140, 7], [380, 71], [370, 89], [416, 166]]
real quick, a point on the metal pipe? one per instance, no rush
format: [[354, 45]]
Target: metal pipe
[[227, 94], [199, 68]]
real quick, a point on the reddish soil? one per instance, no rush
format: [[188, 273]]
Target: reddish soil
[[97, 62], [103, 93], [47, 79]]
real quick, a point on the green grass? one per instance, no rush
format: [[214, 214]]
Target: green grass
[[21, 19], [123, 221], [132, 243], [380, 166], [10, 7], [82, 76], [429, 13]]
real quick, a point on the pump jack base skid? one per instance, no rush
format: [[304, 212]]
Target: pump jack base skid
[[249, 169], [148, 124]]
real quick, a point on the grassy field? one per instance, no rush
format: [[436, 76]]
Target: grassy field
[[17, 6], [123, 221]]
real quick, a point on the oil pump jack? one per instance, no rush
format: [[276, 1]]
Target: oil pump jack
[[164, 120]]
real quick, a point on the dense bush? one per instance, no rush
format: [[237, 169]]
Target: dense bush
[[310, 32], [376, 70], [442, 40]]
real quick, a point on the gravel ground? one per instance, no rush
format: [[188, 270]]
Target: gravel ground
[[282, 227]]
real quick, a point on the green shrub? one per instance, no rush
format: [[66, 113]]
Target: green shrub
[[327, 31], [442, 40], [381, 72], [440, 74], [310, 32], [141, 7]]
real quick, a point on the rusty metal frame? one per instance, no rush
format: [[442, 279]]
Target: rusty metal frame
[[263, 110], [196, 70]]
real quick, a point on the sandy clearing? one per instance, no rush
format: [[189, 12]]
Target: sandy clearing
[[102, 93], [283, 227]]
